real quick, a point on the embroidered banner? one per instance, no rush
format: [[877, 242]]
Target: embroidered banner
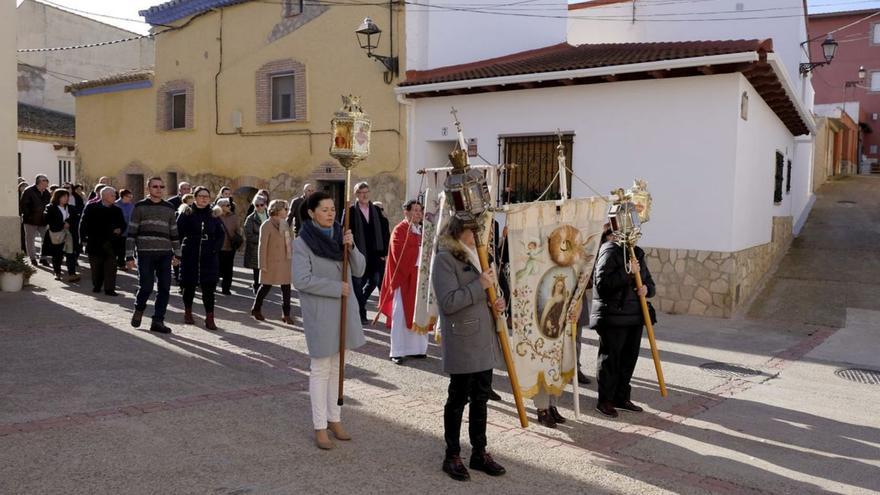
[[425, 316], [551, 256]]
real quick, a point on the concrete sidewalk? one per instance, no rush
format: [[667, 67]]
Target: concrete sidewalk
[[90, 405]]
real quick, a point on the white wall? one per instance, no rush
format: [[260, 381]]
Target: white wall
[[612, 24], [759, 138], [9, 220], [45, 26], [438, 37], [678, 134], [39, 157]]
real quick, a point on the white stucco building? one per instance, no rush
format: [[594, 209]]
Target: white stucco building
[[9, 220], [719, 129], [43, 75]]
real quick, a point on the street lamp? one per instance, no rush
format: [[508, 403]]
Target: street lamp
[[852, 84], [365, 35], [829, 49]]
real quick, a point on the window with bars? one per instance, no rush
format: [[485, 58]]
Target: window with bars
[[788, 177], [780, 171], [293, 7], [65, 170], [536, 167]]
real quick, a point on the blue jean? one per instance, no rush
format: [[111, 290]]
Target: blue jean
[[154, 267]]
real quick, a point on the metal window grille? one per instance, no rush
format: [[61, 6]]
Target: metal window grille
[[293, 7], [788, 176], [780, 166], [535, 157]]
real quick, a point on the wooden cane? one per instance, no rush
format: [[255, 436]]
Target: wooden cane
[[648, 325], [501, 329], [342, 310]]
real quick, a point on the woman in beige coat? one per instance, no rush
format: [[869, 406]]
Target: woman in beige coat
[[274, 257]]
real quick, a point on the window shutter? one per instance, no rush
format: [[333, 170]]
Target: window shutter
[[777, 190]]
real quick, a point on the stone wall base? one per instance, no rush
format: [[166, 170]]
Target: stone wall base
[[714, 283]]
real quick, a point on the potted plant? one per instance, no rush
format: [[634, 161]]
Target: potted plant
[[14, 272]]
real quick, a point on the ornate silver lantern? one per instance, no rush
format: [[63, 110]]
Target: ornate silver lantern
[[350, 129]]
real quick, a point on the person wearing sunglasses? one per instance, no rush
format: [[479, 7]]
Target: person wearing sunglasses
[[201, 238], [252, 237], [153, 237]]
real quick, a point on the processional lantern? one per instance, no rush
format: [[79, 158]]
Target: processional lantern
[[350, 130], [628, 211], [350, 134], [465, 187]]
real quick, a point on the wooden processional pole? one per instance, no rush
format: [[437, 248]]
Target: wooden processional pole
[[350, 134]]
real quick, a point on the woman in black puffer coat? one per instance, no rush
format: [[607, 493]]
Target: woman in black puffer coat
[[201, 238], [616, 315]]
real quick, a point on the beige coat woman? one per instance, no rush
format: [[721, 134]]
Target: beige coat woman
[[275, 253]]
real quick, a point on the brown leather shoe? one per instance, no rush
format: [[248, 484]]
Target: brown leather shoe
[[556, 416], [188, 316], [607, 408], [209, 321], [546, 419], [455, 468], [287, 319], [338, 431], [257, 314], [484, 462], [322, 440]]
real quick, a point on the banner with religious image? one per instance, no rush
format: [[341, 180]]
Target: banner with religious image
[[425, 316], [552, 252]]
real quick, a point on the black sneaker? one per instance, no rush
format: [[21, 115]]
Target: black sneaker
[[484, 462], [111, 293], [628, 406], [159, 327], [493, 395], [607, 409], [455, 468], [397, 359]]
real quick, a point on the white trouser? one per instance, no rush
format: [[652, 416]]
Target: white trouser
[[31, 232], [403, 341], [323, 390]]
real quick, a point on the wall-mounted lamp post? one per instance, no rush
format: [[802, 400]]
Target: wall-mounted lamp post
[[852, 84], [829, 49], [368, 34]]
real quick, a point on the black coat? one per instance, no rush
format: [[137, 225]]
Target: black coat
[[201, 238], [615, 302], [32, 204], [370, 238], [96, 229]]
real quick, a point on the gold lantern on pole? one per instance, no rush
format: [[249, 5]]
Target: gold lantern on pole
[[628, 211], [350, 143]]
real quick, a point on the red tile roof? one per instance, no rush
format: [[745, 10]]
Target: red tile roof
[[476, 77], [563, 57]]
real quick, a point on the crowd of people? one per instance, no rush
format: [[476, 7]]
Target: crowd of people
[[192, 238]]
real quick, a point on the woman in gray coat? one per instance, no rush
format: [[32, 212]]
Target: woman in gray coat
[[252, 238], [470, 346], [317, 275]]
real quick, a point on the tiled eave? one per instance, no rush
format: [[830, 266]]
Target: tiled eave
[[757, 69], [174, 10]]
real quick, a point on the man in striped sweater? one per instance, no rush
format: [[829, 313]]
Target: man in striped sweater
[[152, 233]]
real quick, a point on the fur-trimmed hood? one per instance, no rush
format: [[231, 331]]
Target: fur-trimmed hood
[[454, 247], [185, 209]]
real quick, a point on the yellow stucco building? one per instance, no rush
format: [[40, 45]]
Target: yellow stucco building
[[242, 95]]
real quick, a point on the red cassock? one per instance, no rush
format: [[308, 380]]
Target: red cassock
[[401, 272]]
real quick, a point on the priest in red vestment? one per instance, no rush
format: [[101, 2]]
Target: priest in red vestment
[[397, 300]]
